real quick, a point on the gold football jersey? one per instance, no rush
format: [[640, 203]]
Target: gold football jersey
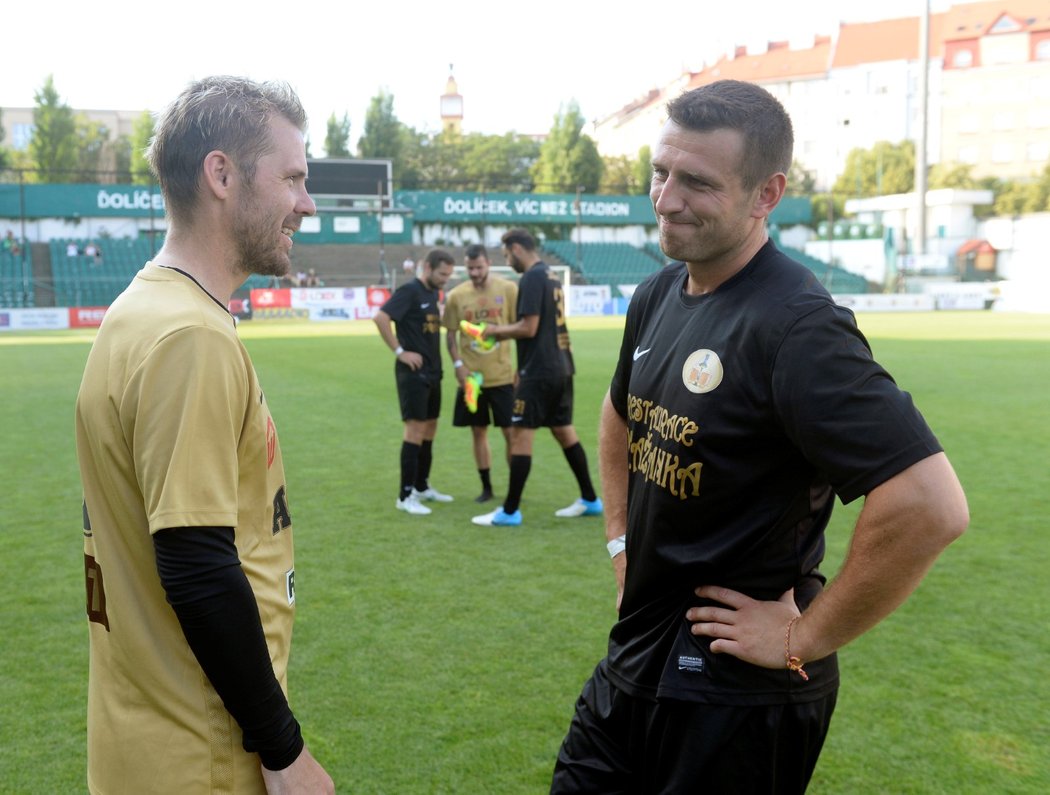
[[172, 430]]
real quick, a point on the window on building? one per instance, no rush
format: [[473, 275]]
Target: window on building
[[1005, 24], [1003, 120], [1042, 50], [969, 154], [969, 123], [1038, 117], [1038, 151], [21, 135], [1002, 152], [962, 59]]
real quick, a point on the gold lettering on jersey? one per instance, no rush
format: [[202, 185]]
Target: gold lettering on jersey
[[559, 300], [661, 422], [652, 425], [662, 468]]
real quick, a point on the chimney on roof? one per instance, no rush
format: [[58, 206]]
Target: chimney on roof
[[740, 51], [776, 45]]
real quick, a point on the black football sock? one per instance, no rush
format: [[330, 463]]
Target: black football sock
[[409, 467], [486, 479], [577, 459], [426, 456], [519, 473]]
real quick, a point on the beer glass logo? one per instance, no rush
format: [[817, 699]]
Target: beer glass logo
[[702, 371]]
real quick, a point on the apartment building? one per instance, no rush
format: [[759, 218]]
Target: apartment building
[[988, 93]]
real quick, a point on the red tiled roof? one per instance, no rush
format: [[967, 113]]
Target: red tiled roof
[[866, 42], [885, 40], [972, 20], [776, 64]]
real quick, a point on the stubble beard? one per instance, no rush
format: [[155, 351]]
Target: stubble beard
[[700, 248], [257, 250]]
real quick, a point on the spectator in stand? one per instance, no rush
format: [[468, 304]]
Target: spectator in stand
[[10, 244], [71, 249]]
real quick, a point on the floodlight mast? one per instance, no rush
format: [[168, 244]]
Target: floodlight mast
[[920, 143]]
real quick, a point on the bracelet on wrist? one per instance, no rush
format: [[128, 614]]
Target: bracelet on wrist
[[617, 545], [793, 663], [398, 350], [457, 364]]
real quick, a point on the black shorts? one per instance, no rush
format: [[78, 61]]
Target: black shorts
[[496, 401], [621, 744], [543, 403], [419, 393]]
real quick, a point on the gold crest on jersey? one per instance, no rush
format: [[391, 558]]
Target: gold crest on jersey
[[702, 371]]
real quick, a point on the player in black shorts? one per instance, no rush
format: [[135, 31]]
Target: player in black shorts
[[414, 310], [543, 394], [744, 400], [483, 298]]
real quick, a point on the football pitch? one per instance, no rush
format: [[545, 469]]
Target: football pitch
[[434, 656]]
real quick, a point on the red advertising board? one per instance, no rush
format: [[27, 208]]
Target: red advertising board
[[280, 298], [86, 316], [377, 296]]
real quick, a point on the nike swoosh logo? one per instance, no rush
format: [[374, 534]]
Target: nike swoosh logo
[[638, 354], [516, 419], [424, 306]]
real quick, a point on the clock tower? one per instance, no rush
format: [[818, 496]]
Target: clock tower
[[451, 106]]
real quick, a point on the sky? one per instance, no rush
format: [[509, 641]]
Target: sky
[[516, 65]]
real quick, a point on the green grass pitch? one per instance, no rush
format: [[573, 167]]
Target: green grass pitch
[[433, 656]]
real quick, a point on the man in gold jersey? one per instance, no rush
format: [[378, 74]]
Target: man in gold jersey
[[187, 529], [483, 298]]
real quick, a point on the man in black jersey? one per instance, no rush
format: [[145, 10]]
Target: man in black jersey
[[744, 400], [414, 310], [543, 388]]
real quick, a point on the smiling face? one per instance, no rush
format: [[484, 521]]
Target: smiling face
[[272, 206], [706, 217]]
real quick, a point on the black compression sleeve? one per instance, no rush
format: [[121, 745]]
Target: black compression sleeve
[[214, 603]]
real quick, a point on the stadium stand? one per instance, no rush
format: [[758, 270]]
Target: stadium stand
[[605, 263], [621, 263], [835, 279], [657, 253], [16, 281], [88, 281], [85, 281]]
